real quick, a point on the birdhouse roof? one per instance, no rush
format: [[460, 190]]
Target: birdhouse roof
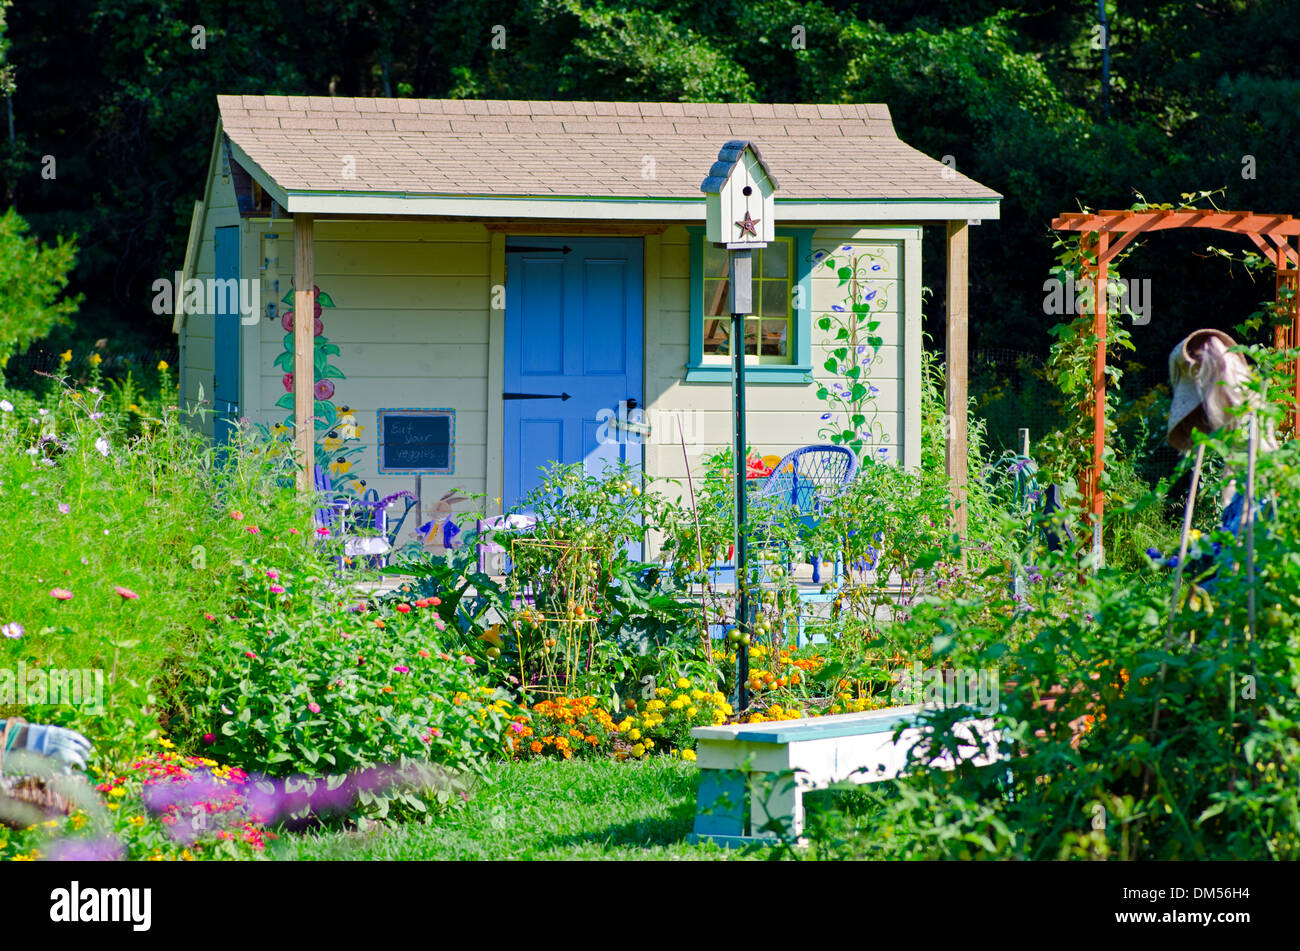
[[728, 159], [318, 154]]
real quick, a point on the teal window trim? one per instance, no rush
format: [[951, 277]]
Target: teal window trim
[[798, 372]]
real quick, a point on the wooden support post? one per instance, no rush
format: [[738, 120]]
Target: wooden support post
[[304, 375], [958, 299], [1100, 304]]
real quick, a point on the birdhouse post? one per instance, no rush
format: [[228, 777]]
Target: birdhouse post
[[739, 201]]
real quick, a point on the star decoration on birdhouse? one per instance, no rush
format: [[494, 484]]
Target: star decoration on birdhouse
[[747, 225]]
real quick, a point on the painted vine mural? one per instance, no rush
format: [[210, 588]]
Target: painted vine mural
[[852, 418], [338, 435]]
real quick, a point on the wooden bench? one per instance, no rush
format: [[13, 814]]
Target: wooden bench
[[754, 775]]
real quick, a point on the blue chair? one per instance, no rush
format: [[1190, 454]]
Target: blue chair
[[338, 514], [805, 480]]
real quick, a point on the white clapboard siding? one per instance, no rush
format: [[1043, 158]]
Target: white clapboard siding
[[782, 416], [411, 321]]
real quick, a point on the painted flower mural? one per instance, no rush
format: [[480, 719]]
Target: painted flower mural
[[853, 419], [336, 426]]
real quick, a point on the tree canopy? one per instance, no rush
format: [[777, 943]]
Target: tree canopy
[[122, 94]]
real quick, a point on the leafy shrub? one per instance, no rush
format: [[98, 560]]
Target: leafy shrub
[[301, 683], [1127, 734]]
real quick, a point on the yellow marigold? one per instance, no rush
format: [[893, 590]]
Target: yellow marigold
[[683, 683], [688, 755], [691, 711], [638, 750], [162, 364], [634, 734]]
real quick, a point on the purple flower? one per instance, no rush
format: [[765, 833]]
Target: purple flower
[[826, 415], [837, 307], [1154, 554], [65, 508], [847, 247], [86, 850], [13, 630], [818, 255], [875, 267]]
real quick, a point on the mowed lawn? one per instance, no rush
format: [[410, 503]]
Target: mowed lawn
[[574, 809]]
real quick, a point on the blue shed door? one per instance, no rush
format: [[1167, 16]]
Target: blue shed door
[[572, 326], [225, 366]]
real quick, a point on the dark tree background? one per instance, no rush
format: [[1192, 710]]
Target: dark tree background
[[115, 91]]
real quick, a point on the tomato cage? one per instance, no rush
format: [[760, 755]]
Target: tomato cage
[[554, 584]]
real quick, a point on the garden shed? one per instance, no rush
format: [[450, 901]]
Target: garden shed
[[505, 283]]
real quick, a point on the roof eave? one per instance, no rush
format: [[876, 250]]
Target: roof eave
[[627, 209]]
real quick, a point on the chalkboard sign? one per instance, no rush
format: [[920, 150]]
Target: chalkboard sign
[[417, 441]]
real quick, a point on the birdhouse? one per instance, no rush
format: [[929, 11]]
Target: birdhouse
[[739, 195]]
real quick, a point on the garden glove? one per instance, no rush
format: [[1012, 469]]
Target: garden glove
[[66, 746]]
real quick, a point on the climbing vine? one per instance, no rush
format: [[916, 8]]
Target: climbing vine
[[852, 418]]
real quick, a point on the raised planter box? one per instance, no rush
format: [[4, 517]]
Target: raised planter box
[[754, 775]]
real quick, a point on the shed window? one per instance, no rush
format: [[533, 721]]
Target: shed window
[[776, 334]]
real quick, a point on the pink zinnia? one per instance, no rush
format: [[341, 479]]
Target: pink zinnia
[[63, 594], [277, 589], [401, 669], [250, 655], [293, 531], [272, 574], [237, 515], [469, 660], [254, 530], [322, 530], [314, 707], [517, 727], [126, 593], [210, 617]]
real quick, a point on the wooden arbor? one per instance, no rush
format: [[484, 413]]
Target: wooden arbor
[[1272, 234]]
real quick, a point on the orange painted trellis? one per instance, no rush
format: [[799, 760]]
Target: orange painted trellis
[[1272, 234]]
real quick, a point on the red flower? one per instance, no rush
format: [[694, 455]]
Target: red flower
[[404, 608], [435, 601], [209, 738], [250, 655], [286, 321]]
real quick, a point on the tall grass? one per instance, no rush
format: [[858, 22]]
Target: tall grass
[[120, 504]]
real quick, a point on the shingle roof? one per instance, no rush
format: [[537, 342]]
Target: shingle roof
[[587, 149]]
